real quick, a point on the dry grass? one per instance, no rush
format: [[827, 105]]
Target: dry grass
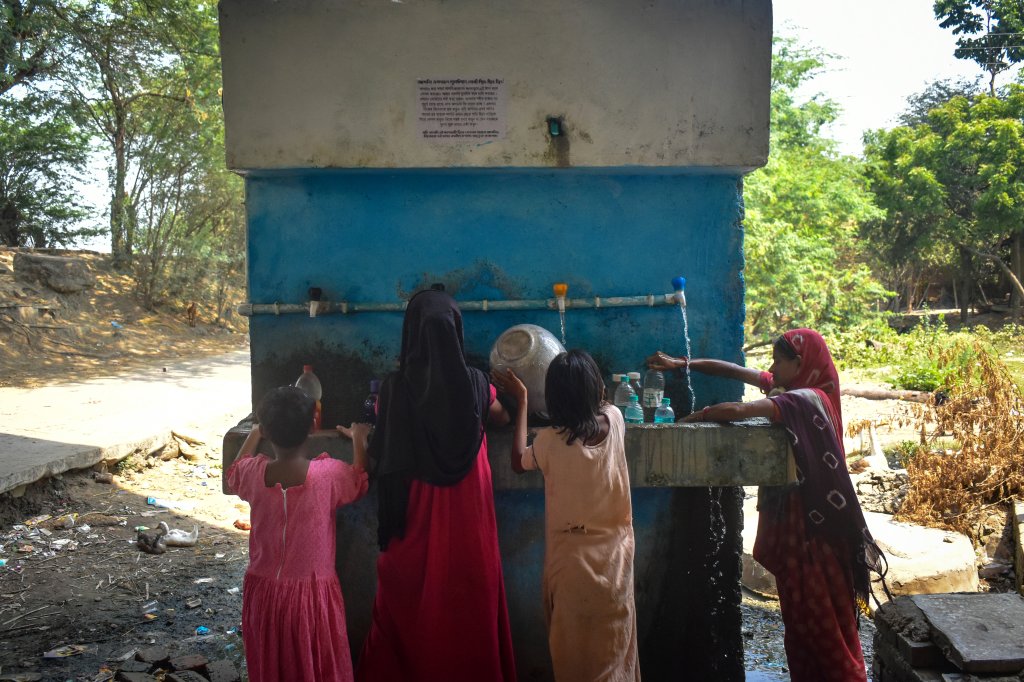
[[47, 337], [984, 416]]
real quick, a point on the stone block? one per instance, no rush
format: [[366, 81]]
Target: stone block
[[222, 671], [980, 633], [133, 666], [61, 274], [185, 676], [189, 662]]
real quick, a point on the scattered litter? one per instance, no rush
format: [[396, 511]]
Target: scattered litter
[[103, 675], [3, 562], [170, 504], [84, 528], [66, 650], [123, 657], [242, 525], [233, 590], [218, 555], [139, 529], [200, 581], [202, 630], [25, 548], [45, 532], [193, 602], [150, 607], [35, 520], [175, 537]]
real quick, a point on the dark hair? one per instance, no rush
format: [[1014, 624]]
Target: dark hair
[[785, 348], [285, 415], [572, 390]]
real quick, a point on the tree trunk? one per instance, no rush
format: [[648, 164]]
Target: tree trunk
[[118, 248], [1002, 266], [965, 284], [1016, 300]]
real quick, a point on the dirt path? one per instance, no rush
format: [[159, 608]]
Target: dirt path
[[89, 585]]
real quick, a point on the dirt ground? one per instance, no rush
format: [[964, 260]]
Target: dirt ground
[[89, 585], [48, 337]]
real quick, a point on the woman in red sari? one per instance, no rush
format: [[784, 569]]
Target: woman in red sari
[[440, 610], [811, 536]]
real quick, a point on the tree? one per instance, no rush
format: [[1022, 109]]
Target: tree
[[128, 56], [804, 261], [952, 185], [41, 150], [992, 30]]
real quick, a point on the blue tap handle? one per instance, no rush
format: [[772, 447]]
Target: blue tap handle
[[678, 283]]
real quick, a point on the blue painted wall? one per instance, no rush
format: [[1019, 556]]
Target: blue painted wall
[[379, 236]]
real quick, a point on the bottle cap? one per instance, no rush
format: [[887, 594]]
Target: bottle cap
[[666, 401], [634, 375], [307, 368], [634, 398]]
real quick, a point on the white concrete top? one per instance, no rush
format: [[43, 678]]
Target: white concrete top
[[368, 83]]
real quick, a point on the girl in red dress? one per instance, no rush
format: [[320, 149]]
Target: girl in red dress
[[440, 610]]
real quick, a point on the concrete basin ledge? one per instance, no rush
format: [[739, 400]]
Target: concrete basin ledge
[[749, 452]]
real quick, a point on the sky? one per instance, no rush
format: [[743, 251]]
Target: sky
[[887, 49]]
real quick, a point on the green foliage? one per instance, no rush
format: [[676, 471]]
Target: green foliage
[[902, 452], [41, 153], [803, 261], [990, 32], [951, 186]]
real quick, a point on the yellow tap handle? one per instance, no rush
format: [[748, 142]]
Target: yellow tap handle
[[560, 290]]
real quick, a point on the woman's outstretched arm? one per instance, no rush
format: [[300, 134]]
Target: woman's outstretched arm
[[717, 368]]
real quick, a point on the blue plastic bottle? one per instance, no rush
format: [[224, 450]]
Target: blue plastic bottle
[[664, 414]]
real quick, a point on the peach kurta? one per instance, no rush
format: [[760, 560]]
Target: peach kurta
[[588, 560]]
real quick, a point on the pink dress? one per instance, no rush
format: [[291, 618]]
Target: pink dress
[[293, 615]]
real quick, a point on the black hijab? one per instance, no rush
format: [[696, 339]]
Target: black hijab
[[430, 412]]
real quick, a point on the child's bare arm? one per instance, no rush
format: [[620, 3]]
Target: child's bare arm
[[251, 442], [508, 382], [359, 434]]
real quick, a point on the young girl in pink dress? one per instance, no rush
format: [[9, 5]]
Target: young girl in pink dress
[[293, 615], [588, 517]]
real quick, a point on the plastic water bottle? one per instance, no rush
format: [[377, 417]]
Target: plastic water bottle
[[634, 413], [309, 383], [654, 389], [370, 404], [623, 392], [664, 414], [634, 383]]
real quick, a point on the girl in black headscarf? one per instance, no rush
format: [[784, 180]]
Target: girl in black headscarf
[[440, 610]]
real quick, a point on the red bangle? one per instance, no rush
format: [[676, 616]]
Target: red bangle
[[704, 413]]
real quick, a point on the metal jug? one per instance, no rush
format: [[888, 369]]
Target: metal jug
[[527, 350]]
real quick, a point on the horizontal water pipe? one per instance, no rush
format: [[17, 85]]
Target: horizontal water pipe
[[485, 305]]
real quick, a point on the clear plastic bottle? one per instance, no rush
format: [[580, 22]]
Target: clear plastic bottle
[[370, 404], [654, 389], [309, 383], [634, 413], [665, 414], [634, 383], [623, 392]]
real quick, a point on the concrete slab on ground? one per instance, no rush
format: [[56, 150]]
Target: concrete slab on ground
[[980, 633], [51, 429], [921, 560]]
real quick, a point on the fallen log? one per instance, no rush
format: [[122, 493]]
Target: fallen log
[[886, 394]]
